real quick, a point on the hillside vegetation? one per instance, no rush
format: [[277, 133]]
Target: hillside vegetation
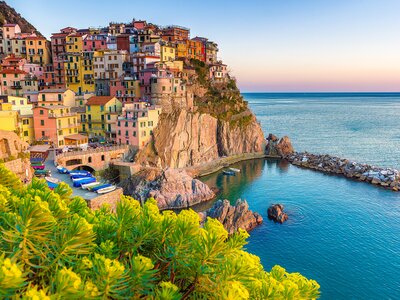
[[54, 247]]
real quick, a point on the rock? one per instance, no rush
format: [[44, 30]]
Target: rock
[[185, 138], [272, 138], [171, 188], [284, 147], [234, 217], [275, 213]]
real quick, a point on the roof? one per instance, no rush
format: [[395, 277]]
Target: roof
[[10, 25], [49, 91], [99, 100], [76, 137], [9, 71], [35, 38], [39, 148], [51, 107]]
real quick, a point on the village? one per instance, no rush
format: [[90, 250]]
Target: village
[[98, 85]]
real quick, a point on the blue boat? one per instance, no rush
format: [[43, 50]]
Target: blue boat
[[62, 170], [78, 182], [79, 172], [86, 180], [77, 176], [100, 187]]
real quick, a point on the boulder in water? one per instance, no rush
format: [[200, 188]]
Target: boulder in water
[[275, 213]]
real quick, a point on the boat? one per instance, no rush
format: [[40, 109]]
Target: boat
[[228, 172], [38, 167], [62, 170], [106, 190], [85, 181], [90, 184], [77, 182], [235, 170], [78, 172], [77, 176], [52, 180], [101, 186], [42, 173]]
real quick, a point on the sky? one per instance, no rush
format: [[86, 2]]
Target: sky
[[269, 45]]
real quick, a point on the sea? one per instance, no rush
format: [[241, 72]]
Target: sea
[[342, 233]]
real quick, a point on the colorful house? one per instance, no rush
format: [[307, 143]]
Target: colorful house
[[37, 50], [101, 115], [167, 53], [54, 124], [50, 97], [136, 124], [125, 88]]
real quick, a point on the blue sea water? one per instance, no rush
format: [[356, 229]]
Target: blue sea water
[[342, 233]]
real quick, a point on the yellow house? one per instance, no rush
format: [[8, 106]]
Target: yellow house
[[20, 119], [9, 120], [181, 50], [37, 50], [78, 67], [101, 116], [167, 53]]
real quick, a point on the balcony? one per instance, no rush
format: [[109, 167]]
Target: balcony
[[16, 87], [61, 115]]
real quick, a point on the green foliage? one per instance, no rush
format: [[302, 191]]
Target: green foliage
[[54, 247]]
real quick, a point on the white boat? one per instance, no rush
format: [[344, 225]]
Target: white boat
[[80, 179], [235, 170], [85, 186], [52, 180], [106, 190]]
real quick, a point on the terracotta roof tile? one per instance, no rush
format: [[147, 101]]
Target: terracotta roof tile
[[99, 100]]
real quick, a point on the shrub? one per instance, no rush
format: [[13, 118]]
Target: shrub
[[54, 246]]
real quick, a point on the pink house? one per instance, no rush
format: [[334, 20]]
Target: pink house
[[94, 42], [145, 79], [218, 72], [10, 83], [126, 89]]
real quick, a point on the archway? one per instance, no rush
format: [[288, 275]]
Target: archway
[[85, 168]]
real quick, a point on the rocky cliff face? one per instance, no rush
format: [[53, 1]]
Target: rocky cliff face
[[184, 138], [213, 122], [171, 188]]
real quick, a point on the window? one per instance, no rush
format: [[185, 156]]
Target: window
[[59, 97], [126, 124], [126, 133], [103, 157], [60, 132], [25, 133], [42, 133], [101, 107], [102, 117], [119, 132], [108, 117], [88, 107], [89, 159], [43, 97], [41, 112], [134, 133], [133, 124], [42, 122]]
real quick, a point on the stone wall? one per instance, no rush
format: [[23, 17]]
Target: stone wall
[[21, 167], [110, 198], [11, 144]]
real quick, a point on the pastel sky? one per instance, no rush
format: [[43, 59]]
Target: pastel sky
[[270, 45]]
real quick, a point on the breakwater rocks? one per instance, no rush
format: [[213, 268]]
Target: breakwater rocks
[[278, 147], [233, 217], [385, 177]]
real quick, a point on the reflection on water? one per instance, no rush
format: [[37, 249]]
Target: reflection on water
[[230, 186]]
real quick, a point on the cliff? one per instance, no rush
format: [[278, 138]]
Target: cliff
[[9, 15], [216, 124]]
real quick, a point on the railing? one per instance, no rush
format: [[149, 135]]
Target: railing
[[93, 151], [52, 115]]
